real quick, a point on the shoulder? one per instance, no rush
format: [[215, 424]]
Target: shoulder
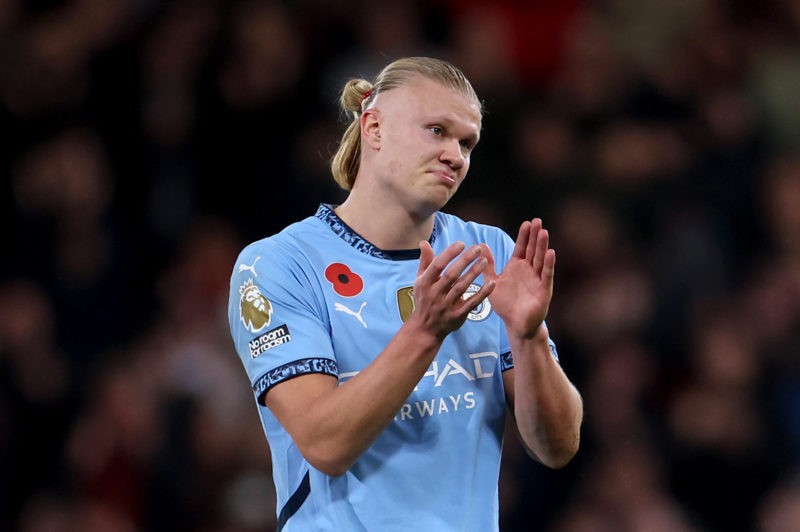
[[286, 247], [281, 265], [455, 228]]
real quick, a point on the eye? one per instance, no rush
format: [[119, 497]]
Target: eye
[[437, 130], [468, 144]]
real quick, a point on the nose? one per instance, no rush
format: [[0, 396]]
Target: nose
[[452, 155]]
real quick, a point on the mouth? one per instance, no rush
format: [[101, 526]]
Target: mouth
[[444, 177]]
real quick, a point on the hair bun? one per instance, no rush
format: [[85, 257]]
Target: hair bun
[[353, 95]]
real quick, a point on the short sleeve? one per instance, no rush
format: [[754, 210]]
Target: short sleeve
[[276, 317]]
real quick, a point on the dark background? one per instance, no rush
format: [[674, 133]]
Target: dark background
[[146, 142]]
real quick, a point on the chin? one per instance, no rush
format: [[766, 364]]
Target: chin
[[431, 205], [428, 200]]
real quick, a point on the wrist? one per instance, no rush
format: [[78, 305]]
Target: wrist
[[539, 335], [422, 337]]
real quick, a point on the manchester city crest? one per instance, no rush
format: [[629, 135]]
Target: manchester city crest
[[482, 311]]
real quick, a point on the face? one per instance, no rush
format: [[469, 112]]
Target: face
[[421, 135]]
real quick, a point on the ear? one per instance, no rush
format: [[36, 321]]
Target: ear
[[371, 128]]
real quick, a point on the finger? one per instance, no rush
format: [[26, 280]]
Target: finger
[[463, 282], [477, 298], [549, 269], [530, 250], [456, 269], [522, 240], [491, 270], [542, 240], [440, 262]]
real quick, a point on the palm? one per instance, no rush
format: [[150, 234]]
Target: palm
[[525, 286]]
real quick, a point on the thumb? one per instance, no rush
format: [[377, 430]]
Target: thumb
[[425, 257]]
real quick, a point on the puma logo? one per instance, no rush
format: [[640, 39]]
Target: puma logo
[[341, 308], [249, 267]]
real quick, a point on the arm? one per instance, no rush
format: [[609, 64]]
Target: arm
[[547, 408], [333, 425]]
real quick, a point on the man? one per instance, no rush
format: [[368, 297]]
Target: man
[[382, 346]]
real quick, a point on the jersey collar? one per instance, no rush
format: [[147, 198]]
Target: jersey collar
[[346, 233]]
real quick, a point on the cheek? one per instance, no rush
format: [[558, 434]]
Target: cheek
[[405, 156], [396, 166], [408, 151]]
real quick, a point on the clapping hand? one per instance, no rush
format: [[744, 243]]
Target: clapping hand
[[524, 288], [439, 305]]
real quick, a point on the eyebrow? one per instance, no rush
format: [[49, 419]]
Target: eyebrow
[[450, 124]]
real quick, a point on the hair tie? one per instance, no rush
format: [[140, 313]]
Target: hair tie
[[364, 97]]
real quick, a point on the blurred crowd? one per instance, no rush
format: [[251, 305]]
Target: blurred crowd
[[148, 141]]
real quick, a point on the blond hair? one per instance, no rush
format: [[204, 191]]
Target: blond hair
[[358, 93]]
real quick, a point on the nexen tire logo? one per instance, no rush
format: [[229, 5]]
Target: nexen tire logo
[[268, 340]]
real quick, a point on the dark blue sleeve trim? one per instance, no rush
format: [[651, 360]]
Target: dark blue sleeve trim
[[288, 371], [506, 361], [295, 501]]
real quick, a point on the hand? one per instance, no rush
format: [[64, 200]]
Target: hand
[[441, 282], [525, 286]]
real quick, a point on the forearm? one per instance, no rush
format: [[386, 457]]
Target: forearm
[[548, 409], [341, 422]]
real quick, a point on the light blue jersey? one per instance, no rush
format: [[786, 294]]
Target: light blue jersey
[[318, 298]]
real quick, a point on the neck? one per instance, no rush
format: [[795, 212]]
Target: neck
[[387, 225]]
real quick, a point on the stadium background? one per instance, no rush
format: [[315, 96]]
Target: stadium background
[[147, 141]]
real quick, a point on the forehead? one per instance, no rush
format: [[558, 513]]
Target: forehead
[[422, 98]]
